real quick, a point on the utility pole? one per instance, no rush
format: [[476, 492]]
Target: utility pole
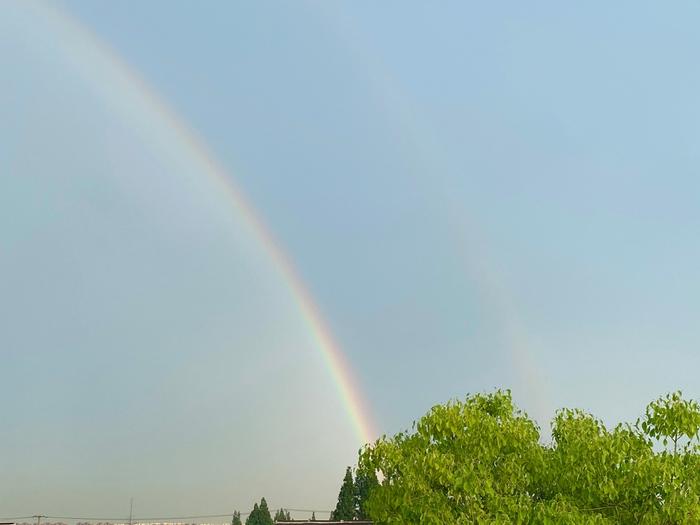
[[131, 509]]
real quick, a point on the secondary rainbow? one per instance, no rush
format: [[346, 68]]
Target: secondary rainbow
[[124, 88]]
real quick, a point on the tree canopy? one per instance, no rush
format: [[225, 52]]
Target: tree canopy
[[353, 495], [260, 515], [282, 515], [481, 461], [365, 481]]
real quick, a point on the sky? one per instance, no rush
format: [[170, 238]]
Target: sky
[[476, 196]]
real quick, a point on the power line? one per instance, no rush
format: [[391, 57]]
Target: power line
[[142, 520], [62, 518], [162, 519]]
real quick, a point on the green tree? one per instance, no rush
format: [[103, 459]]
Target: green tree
[[264, 511], [672, 420], [345, 508], [313, 516], [236, 520], [254, 516], [365, 482], [260, 515], [481, 461], [282, 515]]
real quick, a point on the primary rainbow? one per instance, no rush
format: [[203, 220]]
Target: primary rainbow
[[124, 88]]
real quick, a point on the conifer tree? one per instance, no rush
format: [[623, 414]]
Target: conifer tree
[[265, 518], [236, 518], [313, 516], [254, 516], [345, 509]]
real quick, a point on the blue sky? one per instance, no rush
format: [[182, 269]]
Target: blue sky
[[478, 196]]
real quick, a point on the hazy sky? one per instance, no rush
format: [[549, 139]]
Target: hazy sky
[[478, 195]]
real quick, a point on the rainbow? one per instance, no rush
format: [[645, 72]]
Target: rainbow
[[127, 93], [430, 157]]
